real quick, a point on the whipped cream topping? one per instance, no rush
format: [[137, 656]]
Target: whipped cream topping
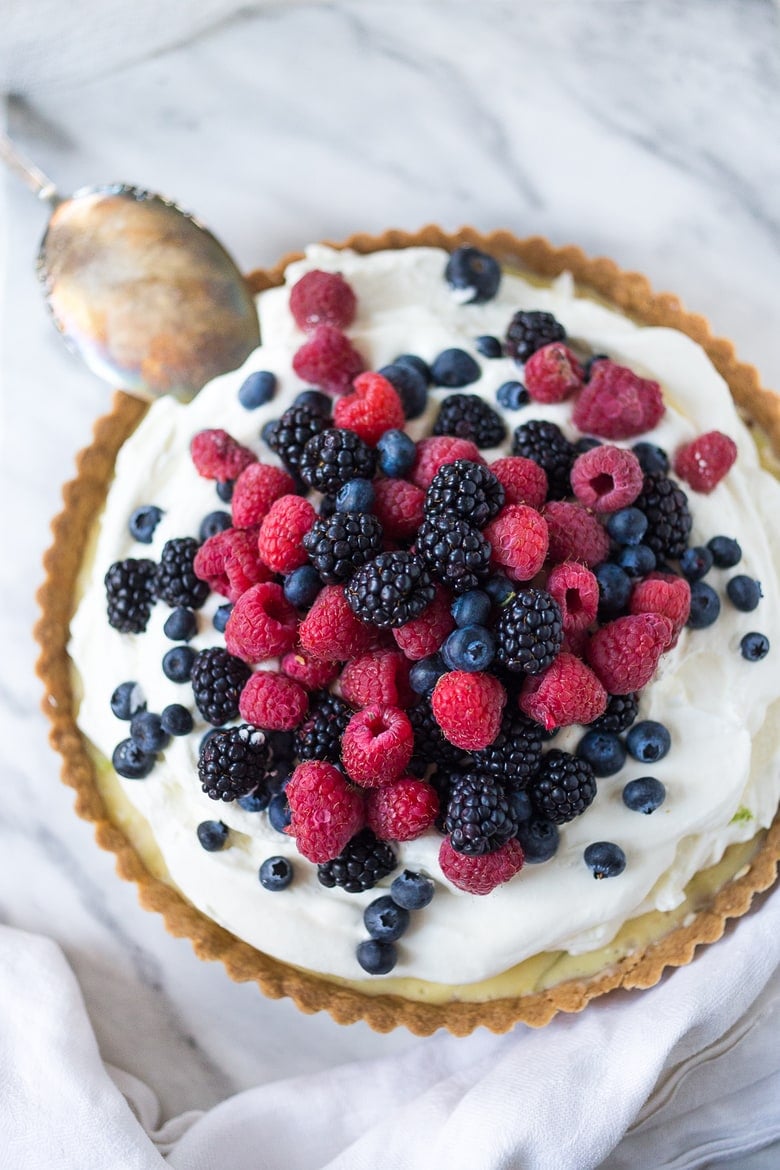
[[722, 774]]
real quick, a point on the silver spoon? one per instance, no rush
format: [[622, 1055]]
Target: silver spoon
[[138, 288]]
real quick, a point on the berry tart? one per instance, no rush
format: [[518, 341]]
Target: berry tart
[[422, 669]]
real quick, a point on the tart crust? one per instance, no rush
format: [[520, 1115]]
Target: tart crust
[[83, 498]]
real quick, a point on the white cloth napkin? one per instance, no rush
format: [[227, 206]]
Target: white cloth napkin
[[685, 1074]]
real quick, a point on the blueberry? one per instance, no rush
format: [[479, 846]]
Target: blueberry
[[705, 606], [744, 593], [637, 560], [412, 891], [587, 367], [221, 615], [512, 395], [587, 443], [130, 761], [255, 802], [212, 835], [397, 453], [385, 919], [225, 490], [417, 363], [424, 674], [538, 839], [314, 400], [127, 699], [754, 646], [454, 368], [180, 625], [376, 957], [472, 608], [648, 741], [302, 586], [213, 523], [644, 795], [500, 589], [488, 346], [471, 648], [614, 588], [279, 814], [143, 522], [605, 859], [411, 385], [357, 495], [605, 752], [257, 389], [651, 458], [176, 720], [276, 873], [472, 275], [177, 664], [627, 526], [520, 806], [726, 553], [147, 731], [695, 563]]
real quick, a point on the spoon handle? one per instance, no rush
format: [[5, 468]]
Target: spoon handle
[[39, 183]]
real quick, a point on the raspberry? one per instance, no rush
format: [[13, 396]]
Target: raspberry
[[467, 416], [291, 433], [478, 819], [606, 478], [669, 521], [577, 592], [255, 490], [362, 863], [234, 762], [326, 811], [328, 360], [333, 457], [229, 562], [319, 736], [481, 875], [466, 490], [625, 653], [529, 632], [322, 298], [665, 594], [468, 707], [704, 462], [519, 540], [424, 635], [566, 692], [398, 506], [617, 403], [311, 673], [377, 745], [176, 582], [456, 554], [575, 535], [523, 481], [434, 452], [390, 590], [563, 788], [552, 373], [341, 543], [529, 330], [273, 701], [130, 594], [546, 444], [380, 678], [217, 455], [402, 810], [370, 409], [280, 542], [217, 681], [331, 630], [262, 624]]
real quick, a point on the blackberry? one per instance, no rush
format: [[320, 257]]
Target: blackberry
[[478, 817], [319, 736], [233, 762], [529, 632], [291, 433], [130, 594], [334, 457], [217, 681], [563, 787], [362, 863], [515, 753], [175, 582], [455, 553], [529, 331], [668, 519], [391, 590], [547, 445], [620, 714], [430, 746], [467, 416], [340, 544], [466, 490]]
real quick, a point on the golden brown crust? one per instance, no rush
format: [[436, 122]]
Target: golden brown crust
[[84, 496]]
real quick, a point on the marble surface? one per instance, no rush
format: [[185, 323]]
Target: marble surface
[[644, 131]]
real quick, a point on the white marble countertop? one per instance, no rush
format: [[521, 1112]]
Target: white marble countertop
[[644, 131]]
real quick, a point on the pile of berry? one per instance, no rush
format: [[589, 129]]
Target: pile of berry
[[436, 617]]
